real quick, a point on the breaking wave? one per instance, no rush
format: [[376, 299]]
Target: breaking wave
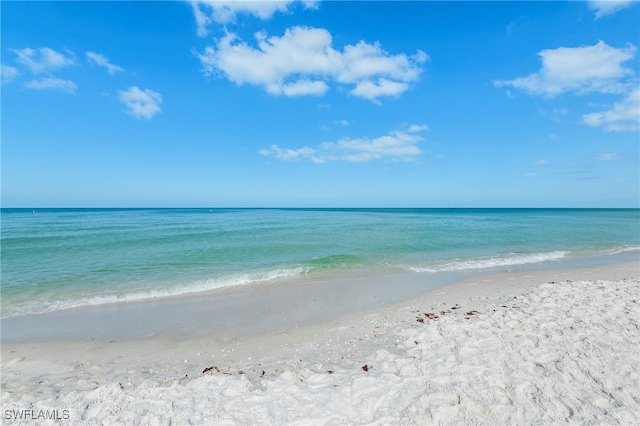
[[197, 286], [509, 259]]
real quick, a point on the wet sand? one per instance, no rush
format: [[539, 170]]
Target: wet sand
[[540, 345]]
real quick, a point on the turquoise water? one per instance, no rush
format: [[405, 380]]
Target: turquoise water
[[54, 259]]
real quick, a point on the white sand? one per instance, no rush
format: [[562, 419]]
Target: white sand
[[524, 348]]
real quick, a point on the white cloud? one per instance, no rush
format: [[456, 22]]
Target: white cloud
[[288, 154], [311, 4], [225, 11], [364, 60], [609, 7], [596, 68], [202, 19], [623, 117], [540, 163], [103, 61], [52, 83], [370, 90], [414, 128], [303, 62], [141, 103], [608, 157], [305, 87], [342, 123], [8, 73], [43, 60], [396, 146]]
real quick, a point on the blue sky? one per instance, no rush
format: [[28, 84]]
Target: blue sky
[[364, 104]]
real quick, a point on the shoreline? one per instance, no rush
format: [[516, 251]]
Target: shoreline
[[427, 278], [383, 338], [266, 307]]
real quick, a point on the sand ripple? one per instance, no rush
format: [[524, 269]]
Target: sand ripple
[[561, 352]]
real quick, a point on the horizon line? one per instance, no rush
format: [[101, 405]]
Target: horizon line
[[303, 207]]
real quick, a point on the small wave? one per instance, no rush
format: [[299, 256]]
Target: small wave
[[198, 286], [510, 259], [335, 261], [620, 250]]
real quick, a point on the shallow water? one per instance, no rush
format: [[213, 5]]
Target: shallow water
[[55, 259]]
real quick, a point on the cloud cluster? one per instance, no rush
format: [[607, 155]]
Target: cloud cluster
[[140, 103], [225, 11], [609, 7], [44, 61], [395, 146], [588, 69], [303, 62]]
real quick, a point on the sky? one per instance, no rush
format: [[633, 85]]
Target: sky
[[320, 104]]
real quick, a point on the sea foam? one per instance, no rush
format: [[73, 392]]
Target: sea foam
[[197, 286], [488, 262]]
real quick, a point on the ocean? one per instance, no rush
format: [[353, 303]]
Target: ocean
[[55, 259]]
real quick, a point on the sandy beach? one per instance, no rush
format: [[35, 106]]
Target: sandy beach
[[320, 213], [528, 347]]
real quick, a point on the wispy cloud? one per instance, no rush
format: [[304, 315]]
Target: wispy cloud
[[596, 68], [395, 146], [8, 73], [609, 7], [555, 113], [608, 157], [141, 103], [291, 154], [512, 24], [103, 61], [342, 122], [304, 62], [623, 117], [43, 60], [224, 11], [52, 83], [414, 128], [540, 163]]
